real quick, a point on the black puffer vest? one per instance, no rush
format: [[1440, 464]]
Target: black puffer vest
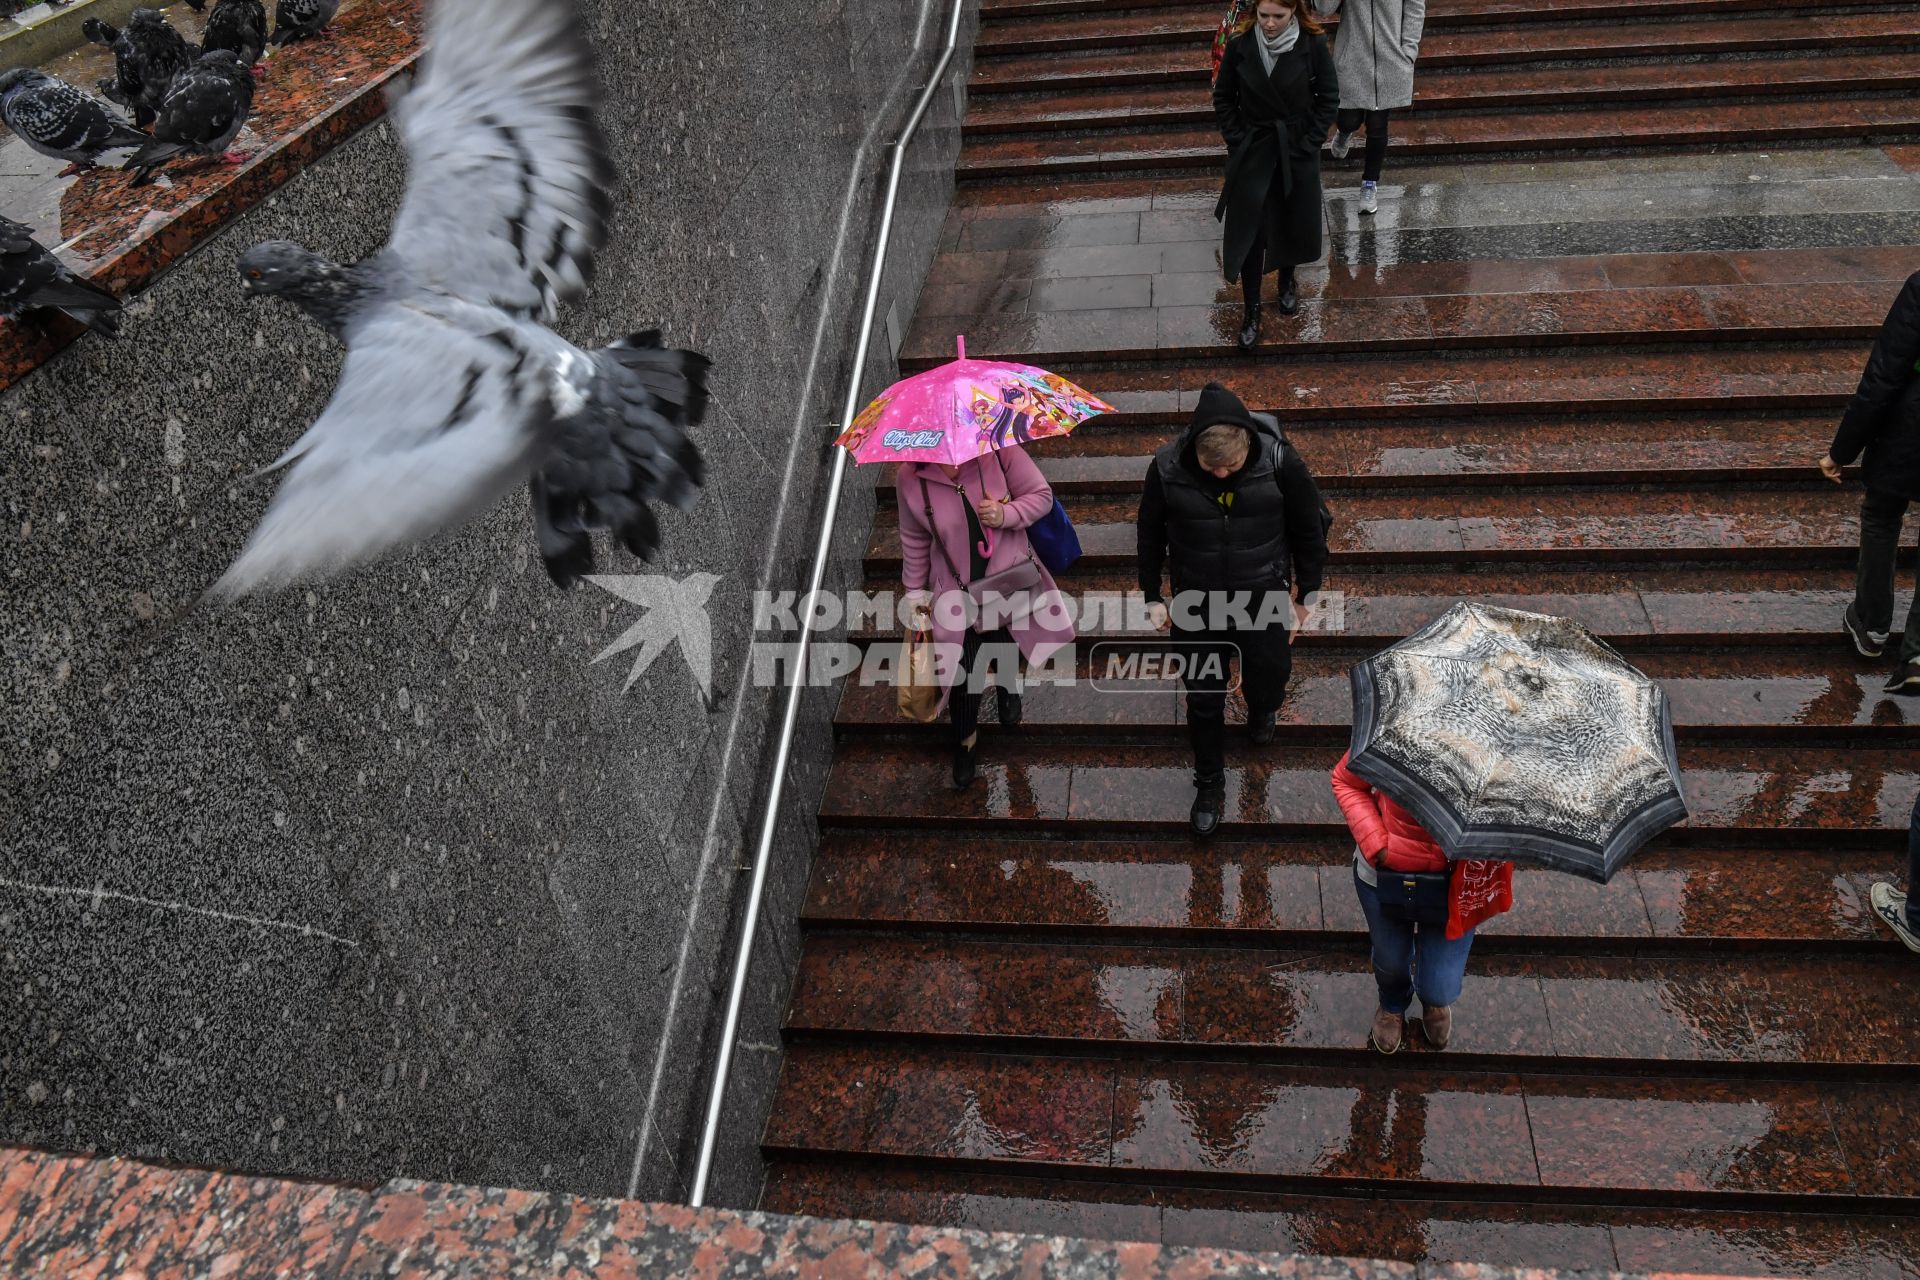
[[1209, 549]]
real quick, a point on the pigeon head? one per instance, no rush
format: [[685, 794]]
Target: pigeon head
[[20, 78], [323, 289]]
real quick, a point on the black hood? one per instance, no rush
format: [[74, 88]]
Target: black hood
[[1218, 405]]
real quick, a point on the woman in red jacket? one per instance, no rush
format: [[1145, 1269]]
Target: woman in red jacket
[[1414, 956]]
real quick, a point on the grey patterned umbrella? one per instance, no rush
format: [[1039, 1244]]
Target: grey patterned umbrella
[[1521, 737]]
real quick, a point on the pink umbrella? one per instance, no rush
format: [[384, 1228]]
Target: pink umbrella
[[966, 409]]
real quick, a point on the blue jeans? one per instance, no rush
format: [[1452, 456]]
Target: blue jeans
[[1411, 959]]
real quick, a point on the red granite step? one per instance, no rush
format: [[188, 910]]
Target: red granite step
[[1477, 89], [1389, 1129], [1123, 27], [1805, 526], [1516, 1234], [1454, 322], [1442, 49], [1637, 609], [1410, 385], [1676, 126], [1855, 797], [1673, 449], [1751, 695], [1301, 894], [1798, 1015]]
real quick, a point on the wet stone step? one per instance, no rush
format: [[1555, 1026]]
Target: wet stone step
[[1442, 49], [1656, 1142], [1098, 460], [1197, 22], [1858, 797], [1477, 89], [1409, 384], [1674, 126], [1709, 313], [1779, 526], [1302, 893], [1559, 1237], [1636, 609], [1518, 1011], [1020, 278], [1748, 696]]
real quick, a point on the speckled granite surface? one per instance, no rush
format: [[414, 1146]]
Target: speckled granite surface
[[69, 1216]]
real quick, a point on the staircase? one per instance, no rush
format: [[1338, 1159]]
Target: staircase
[[1588, 386]]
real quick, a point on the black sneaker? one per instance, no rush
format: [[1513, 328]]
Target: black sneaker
[[1250, 328], [1906, 681], [963, 765], [1261, 727], [1009, 706], [1868, 644], [1208, 803]]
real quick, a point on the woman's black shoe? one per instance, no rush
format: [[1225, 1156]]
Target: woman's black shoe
[[1289, 300], [963, 765], [1009, 704], [1207, 805], [1250, 328]]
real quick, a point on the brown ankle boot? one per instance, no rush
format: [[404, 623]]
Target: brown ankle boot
[[1388, 1028], [1438, 1024]]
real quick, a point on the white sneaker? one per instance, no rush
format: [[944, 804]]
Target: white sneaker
[[1342, 143], [1890, 906], [1369, 199]]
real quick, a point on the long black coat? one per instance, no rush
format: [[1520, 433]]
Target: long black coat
[[1274, 126], [1884, 416]]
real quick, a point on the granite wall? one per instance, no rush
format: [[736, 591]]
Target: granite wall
[[389, 877]]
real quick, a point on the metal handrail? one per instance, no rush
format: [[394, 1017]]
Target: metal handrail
[[763, 854]]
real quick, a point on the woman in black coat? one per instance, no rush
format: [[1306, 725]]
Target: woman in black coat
[[1276, 97], [1883, 420]]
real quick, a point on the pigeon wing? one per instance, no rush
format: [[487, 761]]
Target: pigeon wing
[[510, 183], [430, 425]]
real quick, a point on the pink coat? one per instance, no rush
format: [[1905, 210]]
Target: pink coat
[[1012, 477]]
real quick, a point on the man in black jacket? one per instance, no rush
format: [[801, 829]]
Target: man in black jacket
[[1234, 509], [1883, 419]]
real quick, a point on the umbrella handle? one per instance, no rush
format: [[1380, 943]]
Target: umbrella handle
[[960, 341]]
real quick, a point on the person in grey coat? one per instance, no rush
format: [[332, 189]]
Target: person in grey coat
[[1374, 51]]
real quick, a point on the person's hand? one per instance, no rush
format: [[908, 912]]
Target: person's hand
[[920, 608], [991, 512], [1829, 468], [1378, 854], [1157, 616]]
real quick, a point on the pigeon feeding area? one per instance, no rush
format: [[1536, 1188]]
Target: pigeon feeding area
[[309, 95]]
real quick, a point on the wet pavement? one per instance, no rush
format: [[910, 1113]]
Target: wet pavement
[[1590, 385]]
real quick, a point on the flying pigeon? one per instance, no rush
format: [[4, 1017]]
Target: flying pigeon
[[147, 54], [453, 391], [31, 277], [239, 25], [297, 19], [58, 120], [202, 113]]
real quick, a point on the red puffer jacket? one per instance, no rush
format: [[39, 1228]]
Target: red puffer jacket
[[1477, 891], [1377, 820]]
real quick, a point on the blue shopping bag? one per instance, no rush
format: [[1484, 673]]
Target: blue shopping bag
[[1054, 539]]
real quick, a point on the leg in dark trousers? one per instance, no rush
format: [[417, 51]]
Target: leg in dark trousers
[[1880, 517], [1376, 146], [1209, 664], [1251, 272], [1266, 663], [979, 655]]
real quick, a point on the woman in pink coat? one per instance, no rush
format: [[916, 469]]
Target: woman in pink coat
[[980, 513]]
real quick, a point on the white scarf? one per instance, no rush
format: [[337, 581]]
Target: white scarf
[[1270, 50]]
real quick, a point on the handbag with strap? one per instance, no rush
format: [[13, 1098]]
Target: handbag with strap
[[1015, 579], [1054, 540]]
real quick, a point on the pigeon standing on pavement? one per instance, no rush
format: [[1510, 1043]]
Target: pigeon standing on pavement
[[453, 391], [238, 25], [147, 54], [58, 120], [32, 277], [202, 114], [297, 19]]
